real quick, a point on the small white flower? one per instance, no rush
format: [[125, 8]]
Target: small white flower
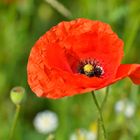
[[126, 107], [45, 122], [120, 106], [130, 109], [83, 134], [91, 136]]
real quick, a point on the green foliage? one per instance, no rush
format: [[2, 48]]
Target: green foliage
[[22, 22]]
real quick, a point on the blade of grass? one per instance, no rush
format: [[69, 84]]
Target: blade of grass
[[133, 30], [60, 8]]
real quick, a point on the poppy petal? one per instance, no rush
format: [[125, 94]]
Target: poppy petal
[[95, 40], [55, 59], [131, 70]]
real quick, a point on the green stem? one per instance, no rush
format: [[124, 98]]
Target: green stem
[[50, 137], [101, 121], [105, 98], [98, 131], [14, 122]]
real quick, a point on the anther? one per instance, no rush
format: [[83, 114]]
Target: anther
[[91, 68]]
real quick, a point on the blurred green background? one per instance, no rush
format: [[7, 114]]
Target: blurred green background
[[22, 22]]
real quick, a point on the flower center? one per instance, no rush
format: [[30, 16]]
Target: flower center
[[88, 68], [91, 68]]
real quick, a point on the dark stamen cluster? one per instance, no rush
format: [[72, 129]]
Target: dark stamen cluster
[[90, 68]]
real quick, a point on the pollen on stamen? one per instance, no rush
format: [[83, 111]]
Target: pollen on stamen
[[88, 68], [91, 68]]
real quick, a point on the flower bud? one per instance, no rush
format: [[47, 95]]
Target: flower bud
[[17, 95]]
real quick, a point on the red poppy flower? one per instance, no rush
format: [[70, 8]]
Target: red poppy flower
[[76, 57]]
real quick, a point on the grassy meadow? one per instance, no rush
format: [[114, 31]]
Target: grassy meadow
[[22, 22]]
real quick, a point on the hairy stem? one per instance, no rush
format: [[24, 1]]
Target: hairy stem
[[14, 122], [101, 121], [105, 98]]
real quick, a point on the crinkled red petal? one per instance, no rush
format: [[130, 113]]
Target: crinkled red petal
[[53, 60], [131, 70]]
